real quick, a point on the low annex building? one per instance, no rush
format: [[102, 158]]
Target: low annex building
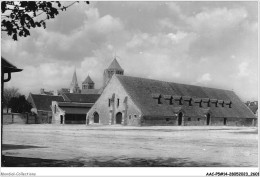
[[73, 109], [137, 101], [42, 106]]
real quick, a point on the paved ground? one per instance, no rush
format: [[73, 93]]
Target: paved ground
[[80, 145]]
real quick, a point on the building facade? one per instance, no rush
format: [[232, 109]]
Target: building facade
[[142, 102], [73, 109]]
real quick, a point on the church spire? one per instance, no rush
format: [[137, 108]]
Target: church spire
[[74, 87]]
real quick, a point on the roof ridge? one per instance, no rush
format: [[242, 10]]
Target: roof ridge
[[43, 95], [172, 82]]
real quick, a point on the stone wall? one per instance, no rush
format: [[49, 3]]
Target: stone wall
[[44, 117], [194, 121], [17, 118], [56, 114], [107, 114]]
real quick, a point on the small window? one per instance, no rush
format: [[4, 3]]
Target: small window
[[135, 116], [167, 119], [129, 116], [159, 100], [117, 102], [109, 102], [198, 119], [189, 119]]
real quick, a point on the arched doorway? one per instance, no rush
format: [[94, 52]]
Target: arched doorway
[[180, 116], [225, 121], [61, 119], [208, 119], [119, 118], [96, 117]]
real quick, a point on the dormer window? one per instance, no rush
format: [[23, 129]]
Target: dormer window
[[157, 97], [207, 101], [199, 101], [187, 99], [178, 99], [214, 101], [221, 102], [228, 103], [169, 98]]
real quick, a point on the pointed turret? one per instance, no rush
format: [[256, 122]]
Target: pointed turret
[[115, 65], [88, 83], [114, 68], [74, 87], [88, 80]]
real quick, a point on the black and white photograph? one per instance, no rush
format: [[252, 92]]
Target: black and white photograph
[[139, 84]]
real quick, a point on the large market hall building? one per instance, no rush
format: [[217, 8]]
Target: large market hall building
[[139, 102]]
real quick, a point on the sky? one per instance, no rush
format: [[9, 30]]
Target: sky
[[212, 44]]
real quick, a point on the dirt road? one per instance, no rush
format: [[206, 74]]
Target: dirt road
[[81, 145]]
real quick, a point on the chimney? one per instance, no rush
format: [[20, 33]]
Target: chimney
[[55, 92], [41, 91]]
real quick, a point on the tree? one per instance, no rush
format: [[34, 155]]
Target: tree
[[20, 105], [18, 17], [9, 93]]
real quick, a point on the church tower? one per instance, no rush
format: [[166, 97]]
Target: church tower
[[88, 84], [114, 68], [74, 87]]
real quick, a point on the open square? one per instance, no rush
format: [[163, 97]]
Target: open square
[[120, 146]]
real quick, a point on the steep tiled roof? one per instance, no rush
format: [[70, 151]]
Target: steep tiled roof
[[141, 91], [115, 65], [43, 102], [70, 104], [253, 108], [69, 110], [75, 108], [88, 80], [80, 98], [8, 67]]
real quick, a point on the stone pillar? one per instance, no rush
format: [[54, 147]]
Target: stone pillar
[[182, 120], [63, 119], [110, 117], [123, 118], [124, 115]]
